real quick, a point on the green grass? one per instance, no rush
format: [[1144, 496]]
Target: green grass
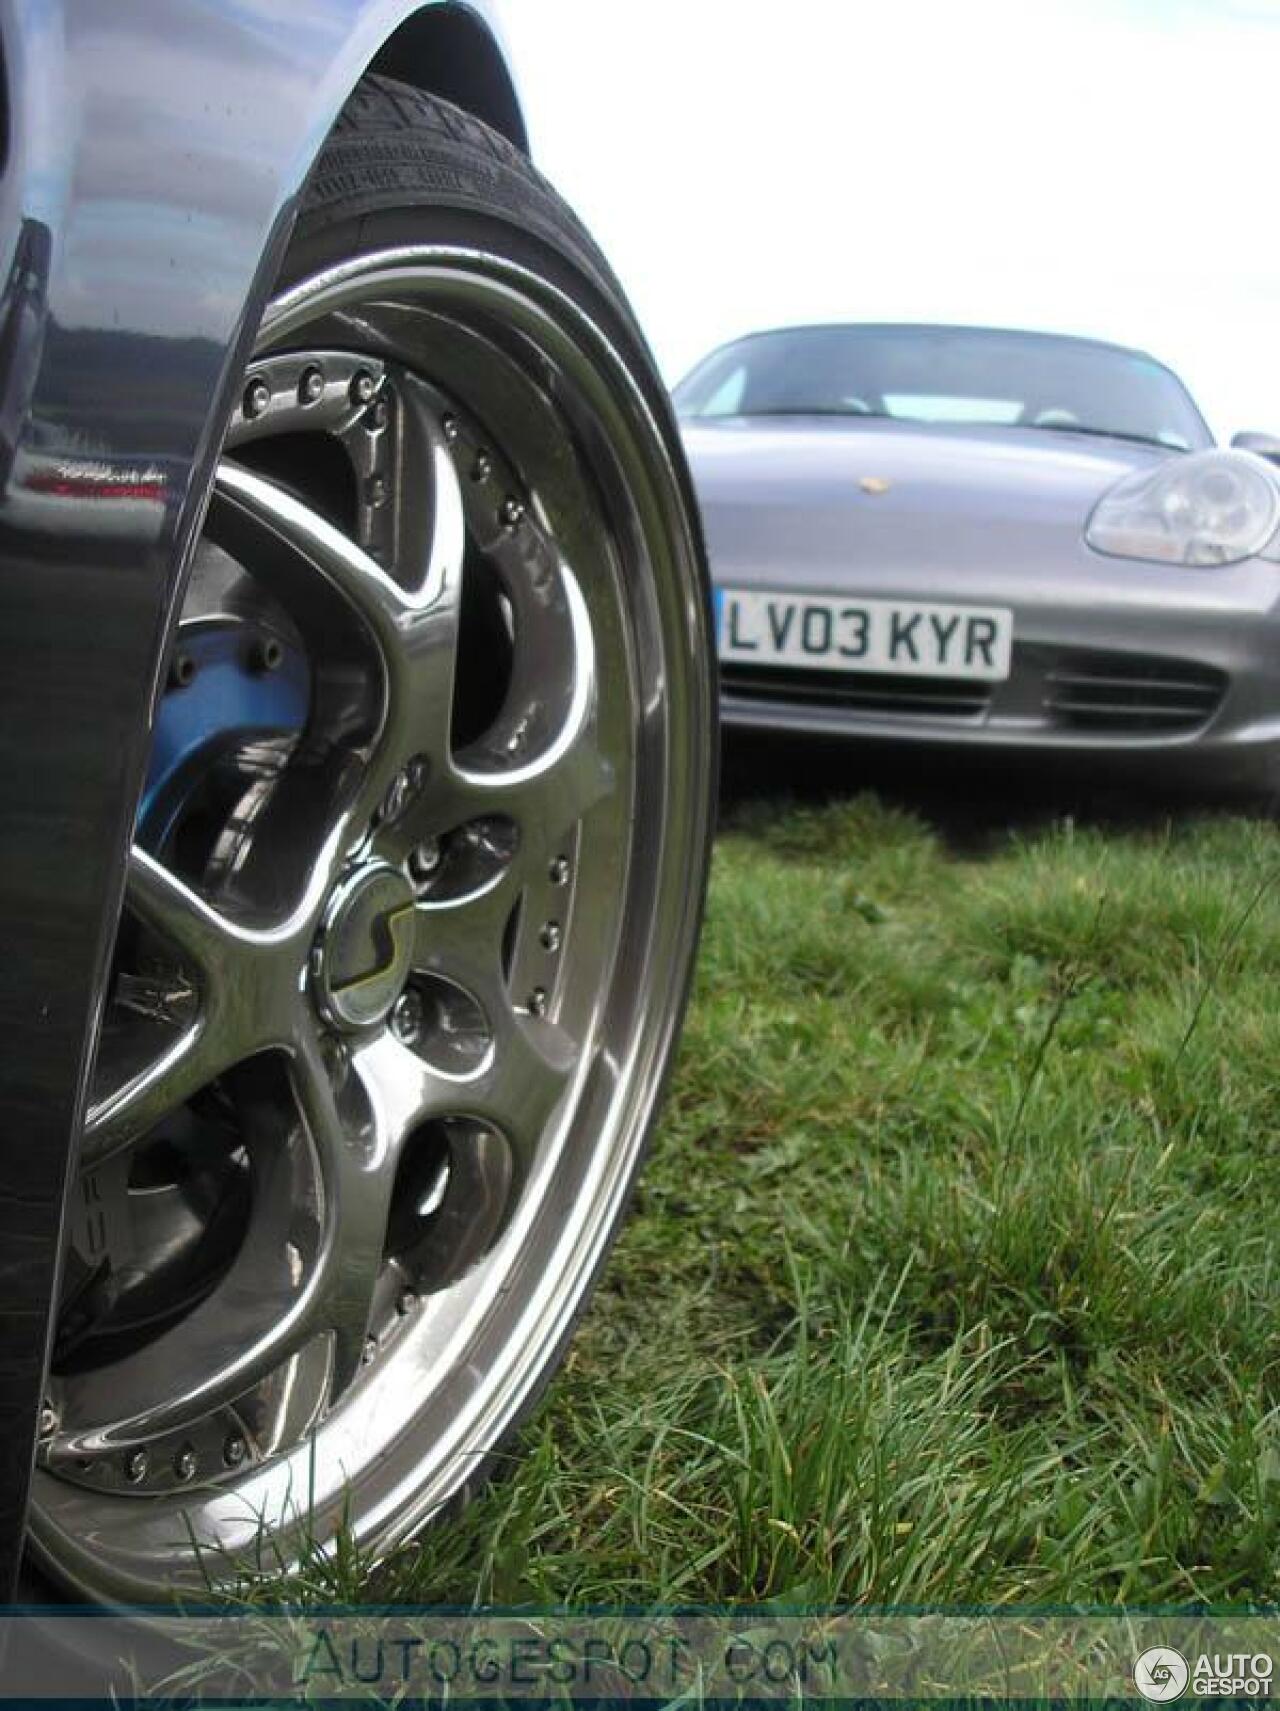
[[952, 1277]]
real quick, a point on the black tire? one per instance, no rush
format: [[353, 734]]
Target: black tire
[[400, 161], [403, 171]]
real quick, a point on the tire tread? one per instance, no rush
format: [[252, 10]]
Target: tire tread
[[394, 144]]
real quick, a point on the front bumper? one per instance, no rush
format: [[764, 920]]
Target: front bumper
[[1176, 670]]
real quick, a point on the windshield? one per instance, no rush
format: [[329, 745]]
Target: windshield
[[946, 375]]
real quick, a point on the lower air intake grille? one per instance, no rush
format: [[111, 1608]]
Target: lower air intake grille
[[1127, 692], [946, 698]]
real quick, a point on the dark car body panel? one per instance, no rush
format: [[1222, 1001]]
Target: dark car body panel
[[155, 155]]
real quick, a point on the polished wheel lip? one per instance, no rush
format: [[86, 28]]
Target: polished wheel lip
[[564, 1236]]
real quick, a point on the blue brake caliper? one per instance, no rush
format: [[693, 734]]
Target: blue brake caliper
[[228, 685]]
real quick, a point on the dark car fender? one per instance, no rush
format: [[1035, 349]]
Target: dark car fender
[[154, 155]]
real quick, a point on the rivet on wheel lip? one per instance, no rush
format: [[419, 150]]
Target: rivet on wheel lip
[[406, 1301], [538, 1001], [512, 513], [136, 1464], [550, 936], [449, 427], [558, 872], [185, 1464], [234, 1450], [48, 1420], [370, 1352], [363, 387], [311, 385], [482, 468], [257, 396]]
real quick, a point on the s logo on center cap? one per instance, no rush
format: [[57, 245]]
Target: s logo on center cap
[[874, 484], [364, 951]]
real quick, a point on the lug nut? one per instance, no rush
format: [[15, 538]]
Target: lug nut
[[185, 1463], [266, 655], [550, 935], [512, 513], [234, 1450], [424, 860], [449, 426], [182, 669], [558, 872], [48, 1420], [538, 1001], [363, 387], [257, 395], [370, 1351], [311, 386], [406, 1301], [407, 1017], [482, 468], [135, 1466]]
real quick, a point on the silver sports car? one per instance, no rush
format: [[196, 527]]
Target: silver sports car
[[1017, 540]]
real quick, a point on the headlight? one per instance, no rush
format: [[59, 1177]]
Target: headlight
[[1211, 507]]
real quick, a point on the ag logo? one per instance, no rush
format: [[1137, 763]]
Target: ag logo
[[1161, 1673]]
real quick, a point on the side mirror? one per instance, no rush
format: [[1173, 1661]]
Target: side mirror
[[1261, 445]]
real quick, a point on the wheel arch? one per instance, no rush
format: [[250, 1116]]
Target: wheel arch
[[451, 51]]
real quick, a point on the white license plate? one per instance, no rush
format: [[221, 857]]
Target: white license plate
[[910, 637]]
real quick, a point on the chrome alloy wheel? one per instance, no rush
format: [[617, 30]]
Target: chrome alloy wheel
[[397, 979]]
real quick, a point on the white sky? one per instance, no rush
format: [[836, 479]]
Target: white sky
[[1109, 167]]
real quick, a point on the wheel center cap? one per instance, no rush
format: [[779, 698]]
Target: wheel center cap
[[364, 951]]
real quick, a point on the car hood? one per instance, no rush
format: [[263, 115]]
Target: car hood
[[812, 494]]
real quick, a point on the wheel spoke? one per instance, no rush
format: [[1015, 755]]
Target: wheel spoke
[[252, 1321], [126, 1103], [292, 539], [460, 939], [567, 772], [533, 1064], [430, 527], [168, 906], [412, 622], [146, 1072], [531, 1060], [545, 800], [356, 1146], [553, 796]]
